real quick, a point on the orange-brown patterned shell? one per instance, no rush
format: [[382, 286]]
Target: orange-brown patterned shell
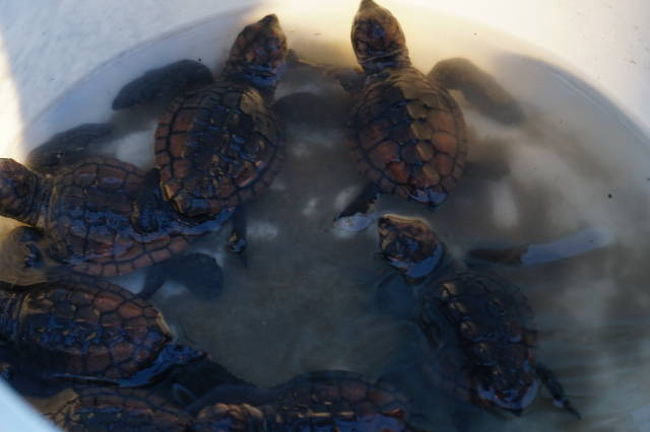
[[409, 136], [84, 327], [341, 399], [88, 222], [492, 361], [319, 401], [216, 148], [107, 409]]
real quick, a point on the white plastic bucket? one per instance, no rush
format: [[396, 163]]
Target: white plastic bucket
[[46, 48]]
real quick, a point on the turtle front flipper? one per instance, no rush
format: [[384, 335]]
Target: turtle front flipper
[[479, 88], [163, 84], [571, 245], [548, 378], [357, 216], [68, 147], [351, 79], [198, 272]]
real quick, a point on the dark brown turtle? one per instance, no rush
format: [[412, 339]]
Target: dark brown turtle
[[106, 409], [407, 133], [219, 144], [479, 326], [88, 330], [80, 214], [325, 401]]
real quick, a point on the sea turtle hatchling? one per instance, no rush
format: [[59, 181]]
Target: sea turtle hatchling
[[479, 326], [325, 401], [102, 409], [87, 330], [79, 211], [219, 143], [316, 402], [407, 133]]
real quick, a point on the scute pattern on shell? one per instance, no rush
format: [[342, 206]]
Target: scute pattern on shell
[[88, 220], [408, 136], [108, 410], [493, 346], [327, 401], [216, 148], [85, 328], [339, 401]]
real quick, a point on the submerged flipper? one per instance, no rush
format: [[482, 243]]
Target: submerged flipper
[[569, 246], [198, 272], [68, 147], [163, 84], [357, 215], [479, 88], [351, 79]]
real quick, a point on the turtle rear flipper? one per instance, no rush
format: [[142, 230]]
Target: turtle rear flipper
[[68, 147], [479, 88], [237, 241], [161, 85], [548, 378], [198, 272]]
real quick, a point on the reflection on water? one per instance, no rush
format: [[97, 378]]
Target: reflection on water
[[306, 300]]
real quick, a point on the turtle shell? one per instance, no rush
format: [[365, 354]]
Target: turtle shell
[[106, 410], [481, 329], [408, 136], [339, 401], [88, 223], [327, 401], [86, 328], [217, 147]]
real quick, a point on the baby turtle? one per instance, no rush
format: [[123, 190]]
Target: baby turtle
[[317, 401], [105, 409], [79, 211], [88, 330], [407, 133], [479, 326], [219, 143]]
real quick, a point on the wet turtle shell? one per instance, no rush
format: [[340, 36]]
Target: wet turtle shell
[[319, 401], [219, 145], [480, 327], [226, 130], [106, 409], [408, 136], [83, 328], [490, 359], [83, 217]]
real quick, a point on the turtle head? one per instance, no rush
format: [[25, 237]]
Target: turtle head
[[377, 38], [19, 192], [259, 53], [410, 246]]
